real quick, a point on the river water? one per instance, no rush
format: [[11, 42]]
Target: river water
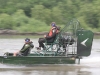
[[88, 65]]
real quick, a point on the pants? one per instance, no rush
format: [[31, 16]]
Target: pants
[[43, 40]]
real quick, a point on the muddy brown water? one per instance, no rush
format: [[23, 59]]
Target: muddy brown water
[[88, 66]]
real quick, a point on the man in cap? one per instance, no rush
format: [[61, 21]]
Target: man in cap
[[25, 49], [50, 37]]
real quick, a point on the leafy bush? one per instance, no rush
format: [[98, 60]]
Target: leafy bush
[[6, 21]]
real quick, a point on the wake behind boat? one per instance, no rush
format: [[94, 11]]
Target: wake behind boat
[[71, 43]]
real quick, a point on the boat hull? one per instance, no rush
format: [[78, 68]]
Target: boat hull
[[37, 60]]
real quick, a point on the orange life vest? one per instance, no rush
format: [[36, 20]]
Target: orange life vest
[[51, 31]]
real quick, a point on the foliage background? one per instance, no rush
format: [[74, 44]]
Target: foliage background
[[36, 15]]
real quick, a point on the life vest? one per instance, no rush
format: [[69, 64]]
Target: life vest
[[51, 31]]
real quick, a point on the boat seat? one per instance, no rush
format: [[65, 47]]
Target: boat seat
[[49, 45]]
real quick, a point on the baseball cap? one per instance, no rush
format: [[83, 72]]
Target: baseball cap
[[53, 24], [27, 39]]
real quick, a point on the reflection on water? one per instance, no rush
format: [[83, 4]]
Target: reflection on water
[[46, 70], [88, 66], [50, 70]]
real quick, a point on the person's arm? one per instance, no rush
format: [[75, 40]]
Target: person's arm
[[31, 44]]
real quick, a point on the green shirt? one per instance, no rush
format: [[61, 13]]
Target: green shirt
[[26, 47]]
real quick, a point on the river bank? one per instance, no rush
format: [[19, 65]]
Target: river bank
[[14, 32], [8, 32]]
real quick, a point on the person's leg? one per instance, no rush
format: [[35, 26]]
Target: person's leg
[[41, 41], [15, 53]]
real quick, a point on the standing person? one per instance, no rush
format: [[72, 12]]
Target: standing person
[[50, 37], [25, 49]]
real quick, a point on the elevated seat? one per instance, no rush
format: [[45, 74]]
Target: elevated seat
[[50, 45]]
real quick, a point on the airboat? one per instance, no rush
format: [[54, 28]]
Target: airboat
[[72, 43]]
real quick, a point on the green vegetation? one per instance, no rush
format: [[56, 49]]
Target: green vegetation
[[20, 36], [36, 15]]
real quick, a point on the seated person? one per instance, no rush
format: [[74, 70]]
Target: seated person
[[25, 49], [50, 37]]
